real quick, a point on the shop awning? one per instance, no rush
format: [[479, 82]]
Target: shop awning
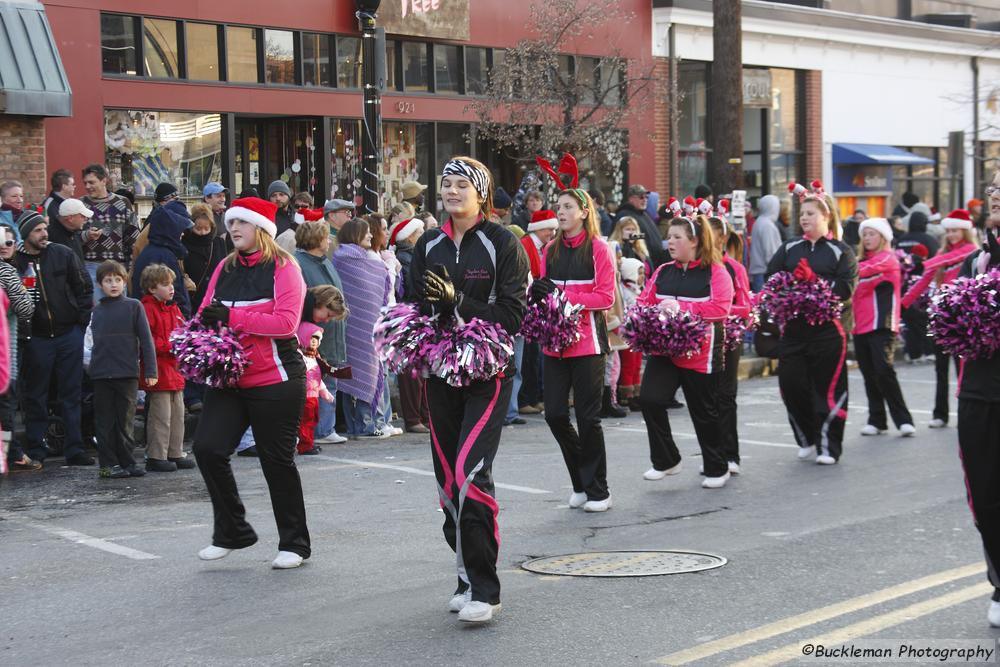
[[875, 154], [32, 79]]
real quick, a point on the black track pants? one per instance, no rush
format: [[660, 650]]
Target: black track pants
[[660, 381], [812, 376], [875, 351], [465, 426], [941, 390], [273, 413], [583, 450], [979, 444], [728, 385]]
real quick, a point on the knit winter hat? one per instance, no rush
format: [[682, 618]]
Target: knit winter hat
[[256, 211], [630, 269], [543, 220], [28, 220], [880, 225], [278, 186], [957, 219], [404, 229]]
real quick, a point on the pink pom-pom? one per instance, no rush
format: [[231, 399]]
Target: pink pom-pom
[[965, 316], [649, 330], [472, 352], [209, 356], [735, 329], [403, 338], [785, 299], [553, 322]]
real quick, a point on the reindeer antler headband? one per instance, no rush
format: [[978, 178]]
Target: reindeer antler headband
[[569, 167]]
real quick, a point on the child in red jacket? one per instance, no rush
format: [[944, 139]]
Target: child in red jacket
[[165, 401]]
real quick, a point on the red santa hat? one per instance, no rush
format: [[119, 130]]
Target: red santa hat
[[308, 215], [798, 190], [722, 209], [258, 212], [689, 205], [920, 250], [674, 206], [404, 229], [704, 207], [957, 219], [543, 220]]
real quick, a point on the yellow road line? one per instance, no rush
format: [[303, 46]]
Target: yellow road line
[[869, 626], [805, 619]]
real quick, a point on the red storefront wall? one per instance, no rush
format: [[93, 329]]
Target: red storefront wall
[[76, 141]]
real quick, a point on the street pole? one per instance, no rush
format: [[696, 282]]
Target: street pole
[[727, 96], [371, 135]]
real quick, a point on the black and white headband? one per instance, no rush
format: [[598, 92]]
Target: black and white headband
[[479, 178]]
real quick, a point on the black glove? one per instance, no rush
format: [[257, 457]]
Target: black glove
[[438, 288], [541, 288], [992, 246], [215, 313]]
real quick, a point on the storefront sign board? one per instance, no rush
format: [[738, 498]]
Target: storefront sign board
[[444, 19]]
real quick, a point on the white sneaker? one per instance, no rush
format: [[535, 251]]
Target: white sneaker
[[993, 614], [825, 460], [478, 612], [286, 560], [577, 500], [715, 482], [597, 505], [806, 453], [907, 430], [653, 474], [734, 468], [214, 553], [459, 600], [871, 430], [937, 423], [393, 431], [333, 439]]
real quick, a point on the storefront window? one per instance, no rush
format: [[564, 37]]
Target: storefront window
[[753, 129], [345, 164], [391, 49], [159, 48], [406, 156], [692, 82], [475, 70], [241, 54], [348, 62], [202, 41], [144, 148], [118, 44], [785, 168], [784, 111], [279, 57], [692, 170], [587, 78], [447, 71], [611, 82], [316, 59], [415, 66]]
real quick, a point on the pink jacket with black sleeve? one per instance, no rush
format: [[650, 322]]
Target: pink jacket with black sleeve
[[876, 298], [703, 289], [265, 307], [950, 261], [586, 274], [742, 301]]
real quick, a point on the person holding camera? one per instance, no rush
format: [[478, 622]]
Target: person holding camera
[[632, 240]]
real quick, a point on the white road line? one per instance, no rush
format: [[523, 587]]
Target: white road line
[[95, 542], [426, 473], [681, 434]]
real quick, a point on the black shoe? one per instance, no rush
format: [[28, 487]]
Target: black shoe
[[674, 405], [159, 465], [195, 408], [135, 470], [80, 459], [609, 409], [249, 451], [310, 452], [39, 454], [114, 472], [516, 421], [183, 463]]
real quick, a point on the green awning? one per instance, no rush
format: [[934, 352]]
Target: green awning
[[32, 79]]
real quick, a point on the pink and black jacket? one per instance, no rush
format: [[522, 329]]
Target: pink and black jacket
[[950, 261], [587, 277], [876, 298], [742, 300], [265, 308], [703, 289]]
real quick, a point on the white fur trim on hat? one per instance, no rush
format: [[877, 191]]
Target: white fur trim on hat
[[956, 223], [548, 223], [253, 217], [407, 228], [880, 225]]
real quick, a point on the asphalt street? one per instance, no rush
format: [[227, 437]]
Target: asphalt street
[[879, 547]]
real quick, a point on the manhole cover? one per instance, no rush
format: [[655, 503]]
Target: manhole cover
[[624, 563]]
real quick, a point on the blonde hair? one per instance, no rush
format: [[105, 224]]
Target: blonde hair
[[967, 237], [270, 251], [154, 275], [618, 234], [590, 224], [404, 210], [700, 230], [486, 206]]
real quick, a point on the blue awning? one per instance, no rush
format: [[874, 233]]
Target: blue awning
[[32, 79], [875, 154]]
